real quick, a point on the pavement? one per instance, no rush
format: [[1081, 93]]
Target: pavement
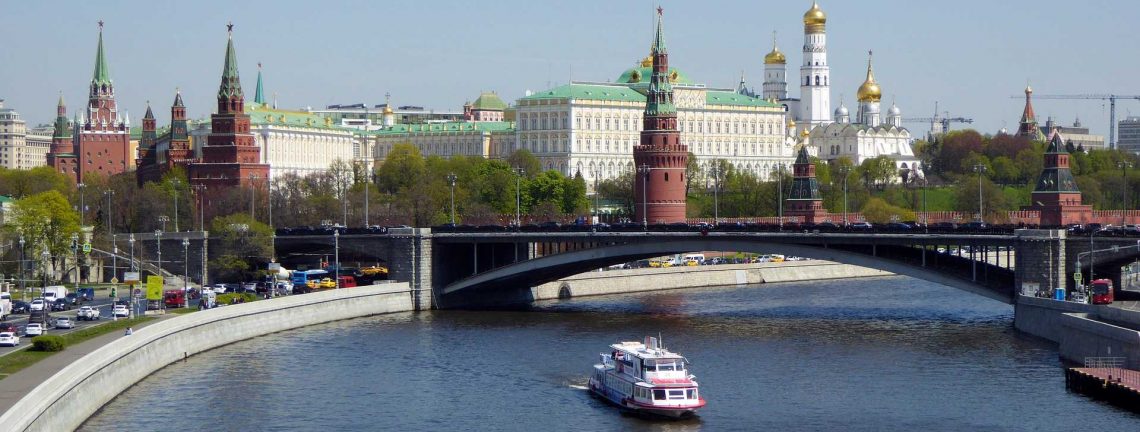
[[15, 386]]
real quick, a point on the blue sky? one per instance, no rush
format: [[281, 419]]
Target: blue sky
[[970, 55]]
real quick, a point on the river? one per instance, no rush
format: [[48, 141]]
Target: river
[[874, 354]]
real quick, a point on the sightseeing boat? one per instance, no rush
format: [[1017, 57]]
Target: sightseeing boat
[[645, 378]]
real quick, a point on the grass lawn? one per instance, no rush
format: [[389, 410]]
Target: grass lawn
[[18, 360]]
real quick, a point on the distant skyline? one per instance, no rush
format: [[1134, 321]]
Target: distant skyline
[[970, 55]]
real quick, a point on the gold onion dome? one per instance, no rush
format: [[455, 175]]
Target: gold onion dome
[[870, 91], [791, 123], [647, 61], [815, 19], [775, 57]]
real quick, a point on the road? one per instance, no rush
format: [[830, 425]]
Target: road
[[103, 303]]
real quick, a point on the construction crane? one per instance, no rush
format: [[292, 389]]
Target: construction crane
[[1111, 98], [944, 121]]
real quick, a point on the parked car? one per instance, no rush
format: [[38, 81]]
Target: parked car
[[20, 307], [34, 329], [87, 313], [301, 289], [249, 287], [64, 323], [36, 305], [862, 225], [221, 288], [9, 339], [327, 283], [120, 311], [8, 327]]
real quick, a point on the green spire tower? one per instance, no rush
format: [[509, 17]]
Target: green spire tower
[[259, 94]]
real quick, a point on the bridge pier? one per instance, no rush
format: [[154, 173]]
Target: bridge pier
[[1039, 261], [411, 261]]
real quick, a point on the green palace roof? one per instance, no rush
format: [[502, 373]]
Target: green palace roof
[[446, 127], [489, 101], [641, 75], [261, 114], [591, 92], [713, 97]]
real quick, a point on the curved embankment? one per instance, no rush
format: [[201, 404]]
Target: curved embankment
[[68, 398], [653, 279]]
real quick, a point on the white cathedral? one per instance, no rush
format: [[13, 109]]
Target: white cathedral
[[832, 135]]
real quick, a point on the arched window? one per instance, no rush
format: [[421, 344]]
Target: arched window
[[817, 80]]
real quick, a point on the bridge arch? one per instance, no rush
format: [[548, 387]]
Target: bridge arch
[[525, 274]]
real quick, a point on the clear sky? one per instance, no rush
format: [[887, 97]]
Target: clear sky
[[970, 55]]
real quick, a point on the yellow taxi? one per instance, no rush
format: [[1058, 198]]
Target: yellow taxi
[[328, 283]]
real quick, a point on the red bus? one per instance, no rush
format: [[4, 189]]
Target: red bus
[[1101, 291]]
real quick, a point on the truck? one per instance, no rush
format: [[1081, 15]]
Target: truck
[[54, 292], [5, 300], [174, 298]]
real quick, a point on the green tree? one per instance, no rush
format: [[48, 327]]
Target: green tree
[[240, 247], [47, 222], [523, 158], [877, 210]]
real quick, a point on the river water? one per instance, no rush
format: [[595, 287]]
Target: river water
[[875, 354]]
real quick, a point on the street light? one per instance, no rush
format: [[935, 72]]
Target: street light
[[451, 178], [23, 267], [158, 245], [367, 183], [82, 204], [980, 169], [75, 252], [163, 219], [336, 241], [111, 233], [252, 197], [925, 213], [1124, 166], [174, 185], [185, 272], [198, 188], [518, 197], [716, 193], [597, 204], [844, 170], [780, 196], [644, 170], [46, 256], [131, 241]]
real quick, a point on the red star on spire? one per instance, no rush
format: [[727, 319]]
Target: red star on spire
[[660, 10], [100, 24]]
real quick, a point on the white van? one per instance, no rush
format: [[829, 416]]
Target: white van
[[694, 259]]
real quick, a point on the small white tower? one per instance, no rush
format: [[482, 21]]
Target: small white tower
[[869, 96], [894, 115], [815, 81], [775, 73], [842, 115]]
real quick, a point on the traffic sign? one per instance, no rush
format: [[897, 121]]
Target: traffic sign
[[114, 280], [1077, 277], [87, 248]]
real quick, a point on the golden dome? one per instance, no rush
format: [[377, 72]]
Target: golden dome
[[870, 91], [387, 109], [647, 61], [814, 19], [804, 133], [775, 57], [791, 123]]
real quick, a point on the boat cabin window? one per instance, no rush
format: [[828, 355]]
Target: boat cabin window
[[665, 365], [674, 394]]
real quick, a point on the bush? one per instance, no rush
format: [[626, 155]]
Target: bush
[[232, 298], [48, 343]]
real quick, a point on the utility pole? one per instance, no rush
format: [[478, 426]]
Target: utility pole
[[980, 169], [174, 185], [110, 193], [518, 197], [780, 196], [644, 170], [451, 178], [844, 170]]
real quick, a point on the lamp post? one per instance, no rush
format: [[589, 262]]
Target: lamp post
[[185, 272], [23, 285], [158, 246], [518, 197], [451, 178], [716, 193], [644, 170], [925, 213], [367, 183], [75, 253], [45, 257], [336, 241], [252, 197], [111, 233], [597, 204], [82, 204], [980, 169], [1124, 166], [844, 170], [198, 189], [131, 241], [780, 196], [163, 219], [174, 183]]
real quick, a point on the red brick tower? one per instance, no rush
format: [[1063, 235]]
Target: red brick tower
[[230, 158], [179, 153], [61, 155], [1056, 195], [660, 158], [104, 139], [804, 200], [147, 169]]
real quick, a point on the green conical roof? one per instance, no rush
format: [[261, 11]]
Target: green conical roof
[[1057, 145], [803, 157], [102, 76], [259, 94], [231, 83], [659, 38], [149, 114]]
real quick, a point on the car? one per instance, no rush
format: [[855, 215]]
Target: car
[[220, 288], [9, 339], [34, 329], [60, 304], [64, 323], [87, 313], [8, 327], [36, 305], [20, 307], [73, 298], [327, 283], [120, 311], [861, 225], [249, 287], [301, 289]]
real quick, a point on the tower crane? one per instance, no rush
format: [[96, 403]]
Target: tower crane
[[1111, 98], [944, 121]]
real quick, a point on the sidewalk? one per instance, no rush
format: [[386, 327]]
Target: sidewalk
[[14, 387]]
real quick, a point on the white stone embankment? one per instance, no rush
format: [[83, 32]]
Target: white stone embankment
[[654, 279], [67, 399]]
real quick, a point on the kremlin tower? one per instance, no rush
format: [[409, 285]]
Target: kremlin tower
[[660, 158], [1027, 128], [804, 200], [1056, 194], [61, 155], [815, 85], [230, 158]]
